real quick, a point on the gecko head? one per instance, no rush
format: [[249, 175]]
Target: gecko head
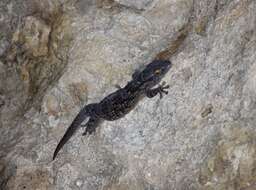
[[154, 72]]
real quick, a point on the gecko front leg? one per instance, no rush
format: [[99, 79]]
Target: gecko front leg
[[159, 90]]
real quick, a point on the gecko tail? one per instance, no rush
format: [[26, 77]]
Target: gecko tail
[[83, 114]]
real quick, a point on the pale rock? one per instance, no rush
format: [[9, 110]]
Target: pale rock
[[200, 136]]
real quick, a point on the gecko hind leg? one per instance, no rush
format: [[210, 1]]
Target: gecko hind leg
[[91, 125]]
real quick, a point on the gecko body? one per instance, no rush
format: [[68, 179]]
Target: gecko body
[[119, 103]]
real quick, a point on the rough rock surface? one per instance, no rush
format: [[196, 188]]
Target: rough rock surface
[[56, 56]]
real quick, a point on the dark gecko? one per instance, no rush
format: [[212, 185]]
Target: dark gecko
[[117, 104]]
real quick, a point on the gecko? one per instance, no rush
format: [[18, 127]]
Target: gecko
[[119, 103]]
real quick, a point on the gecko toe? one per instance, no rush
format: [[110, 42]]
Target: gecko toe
[[163, 83], [89, 130], [166, 87], [165, 91], [161, 94]]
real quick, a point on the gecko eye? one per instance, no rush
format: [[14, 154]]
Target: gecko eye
[[158, 71]]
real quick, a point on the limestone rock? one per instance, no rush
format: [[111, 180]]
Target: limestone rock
[[232, 165], [34, 36], [198, 137], [135, 4], [30, 178]]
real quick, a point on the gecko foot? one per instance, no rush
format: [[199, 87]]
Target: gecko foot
[[162, 88], [90, 130]]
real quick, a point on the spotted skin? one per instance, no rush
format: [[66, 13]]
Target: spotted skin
[[119, 103]]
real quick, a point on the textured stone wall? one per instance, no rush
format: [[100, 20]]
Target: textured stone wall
[[58, 55]]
